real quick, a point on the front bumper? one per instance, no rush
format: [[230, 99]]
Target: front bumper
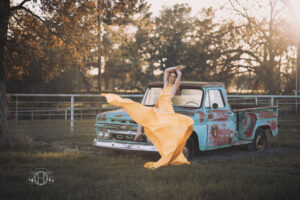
[[124, 146]]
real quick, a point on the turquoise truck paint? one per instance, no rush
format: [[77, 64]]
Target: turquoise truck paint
[[216, 124]]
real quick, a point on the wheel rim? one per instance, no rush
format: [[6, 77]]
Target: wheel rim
[[260, 143]]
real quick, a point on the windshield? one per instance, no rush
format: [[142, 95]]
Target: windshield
[[184, 98]]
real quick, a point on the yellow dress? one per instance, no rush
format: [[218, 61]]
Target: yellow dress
[[167, 130]]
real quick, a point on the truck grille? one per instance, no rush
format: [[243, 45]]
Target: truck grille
[[128, 137], [117, 134]]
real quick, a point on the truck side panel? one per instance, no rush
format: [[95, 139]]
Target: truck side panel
[[220, 128], [250, 121]]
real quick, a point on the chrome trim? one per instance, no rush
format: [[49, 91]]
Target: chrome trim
[[119, 131], [144, 97], [125, 146]]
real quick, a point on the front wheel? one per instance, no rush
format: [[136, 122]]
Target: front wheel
[[260, 140], [188, 150]]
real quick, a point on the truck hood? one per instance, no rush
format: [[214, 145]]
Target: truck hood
[[121, 114]]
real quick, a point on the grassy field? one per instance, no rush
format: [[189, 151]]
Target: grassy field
[[82, 171]]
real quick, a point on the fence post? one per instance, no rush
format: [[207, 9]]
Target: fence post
[[17, 107], [66, 114], [255, 100], [31, 115], [272, 101], [72, 113], [296, 105]]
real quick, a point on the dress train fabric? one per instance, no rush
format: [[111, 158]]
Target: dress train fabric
[[168, 131]]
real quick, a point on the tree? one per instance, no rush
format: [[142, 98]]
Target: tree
[[5, 11], [213, 49], [206, 47], [292, 11], [62, 28], [266, 44], [126, 10]]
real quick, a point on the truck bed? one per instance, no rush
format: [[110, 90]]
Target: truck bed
[[249, 118], [242, 108]]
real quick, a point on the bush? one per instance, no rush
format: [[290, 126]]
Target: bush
[[15, 140]]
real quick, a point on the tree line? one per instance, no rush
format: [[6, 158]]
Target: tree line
[[49, 46], [79, 35]]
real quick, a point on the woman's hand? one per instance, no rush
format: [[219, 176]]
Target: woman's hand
[[171, 69], [138, 132], [180, 67]]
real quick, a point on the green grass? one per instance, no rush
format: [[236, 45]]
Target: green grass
[[93, 173]]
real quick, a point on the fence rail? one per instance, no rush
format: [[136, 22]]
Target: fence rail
[[82, 106]]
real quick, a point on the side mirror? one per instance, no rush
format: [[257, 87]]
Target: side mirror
[[215, 105]]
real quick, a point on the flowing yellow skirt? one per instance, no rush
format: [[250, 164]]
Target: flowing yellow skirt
[[168, 132]]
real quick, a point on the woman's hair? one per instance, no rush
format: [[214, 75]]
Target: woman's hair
[[174, 73]]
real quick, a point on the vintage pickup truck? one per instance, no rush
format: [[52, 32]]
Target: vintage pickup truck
[[216, 123]]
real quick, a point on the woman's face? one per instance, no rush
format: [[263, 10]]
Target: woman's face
[[172, 78]]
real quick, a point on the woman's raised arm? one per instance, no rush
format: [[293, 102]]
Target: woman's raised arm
[[166, 74], [176, 83], [171, 69]]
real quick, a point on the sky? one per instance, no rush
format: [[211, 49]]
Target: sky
[[197, 5]]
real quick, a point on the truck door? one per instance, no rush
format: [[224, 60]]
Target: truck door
[[220, 124]]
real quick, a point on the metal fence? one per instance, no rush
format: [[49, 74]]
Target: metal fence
[[58, 106], [84, 106], [287, 104]]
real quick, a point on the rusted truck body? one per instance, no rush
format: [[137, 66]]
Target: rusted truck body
[[216, 123]]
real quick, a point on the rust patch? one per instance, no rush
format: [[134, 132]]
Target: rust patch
[[267, 114], [248, 127], [220, 120], [220, 115], [222, 137], [202, 116]]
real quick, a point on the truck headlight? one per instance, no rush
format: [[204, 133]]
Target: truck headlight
[[101, 117], [104, 134], [100, 134], [107, 135]]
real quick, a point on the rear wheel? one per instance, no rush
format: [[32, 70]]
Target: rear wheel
[[260, 141], [188, 150]]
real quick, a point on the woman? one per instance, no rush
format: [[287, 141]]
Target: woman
[[170, 76], [167, 130]]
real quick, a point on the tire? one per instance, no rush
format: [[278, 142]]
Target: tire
[[188, 150], [260, 141]]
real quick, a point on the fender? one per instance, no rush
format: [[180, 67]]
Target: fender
[[201, 133]]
